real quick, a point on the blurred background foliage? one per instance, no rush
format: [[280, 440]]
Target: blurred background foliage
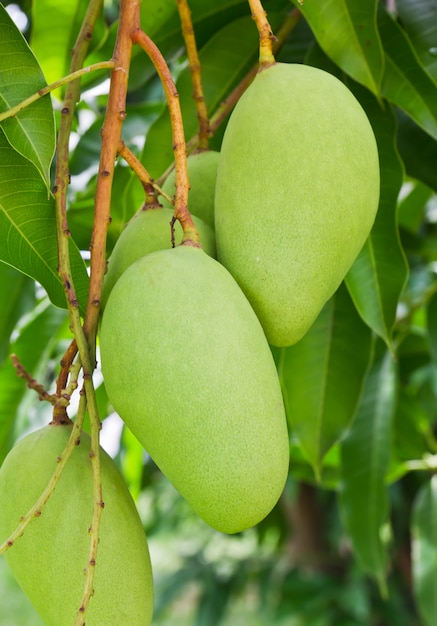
[[358, 545]]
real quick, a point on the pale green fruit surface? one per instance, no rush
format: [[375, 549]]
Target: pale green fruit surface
[[202, 174], [49, 559], [296, 196], [147, 232], [188, 368]]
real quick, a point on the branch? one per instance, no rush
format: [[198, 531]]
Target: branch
[[111, 138]]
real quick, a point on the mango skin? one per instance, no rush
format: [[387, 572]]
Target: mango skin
[[188, 368], [202, 174], [296, 195], [147, 232], [48, 561]]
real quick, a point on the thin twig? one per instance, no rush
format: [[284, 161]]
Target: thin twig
[[58, 83], [196, 73]]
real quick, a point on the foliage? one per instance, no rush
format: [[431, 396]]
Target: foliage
[[353, 539]]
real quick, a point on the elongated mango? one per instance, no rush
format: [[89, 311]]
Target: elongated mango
[[50, 558], [296, 195], [188, 368]]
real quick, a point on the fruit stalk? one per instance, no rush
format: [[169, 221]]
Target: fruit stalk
[[181, 213], [228, 104], [266, 36], [143, 175]]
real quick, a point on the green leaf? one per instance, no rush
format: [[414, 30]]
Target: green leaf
[[346, 31], [365, 459], [33, 347], [32, 131], [20, 292], [28, 228], [406, 83], [378, 276], [319, 405], [418, 18], [424, 551]]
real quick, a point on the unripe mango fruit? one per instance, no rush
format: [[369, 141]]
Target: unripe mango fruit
[[296, 195], [188, 368], [202, 174], [49, 559], [148, 231]]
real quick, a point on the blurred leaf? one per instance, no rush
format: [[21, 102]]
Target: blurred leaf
[[411, 209], [365, 454], [33, 347], [20, 292], [378, 275], [225, 59], [418, 151], [28, 228], [418, 18], [412, 428], [87, 152], [55, 26], [432, 327], [424, 551], [319, 405], [32, 131], [406, 84], [351, 40]]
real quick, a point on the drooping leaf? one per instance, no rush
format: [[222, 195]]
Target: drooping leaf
[[351, 40], [406, 83], [365, 459], [33, 347], [319, 405], [32, 131], [378, 276], [18, 296], [432, 327], [28, 228], [424, 551], [418, 18]]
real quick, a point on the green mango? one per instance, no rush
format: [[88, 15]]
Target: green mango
[[148, 231], [49, 559], [296, 195], [187, 367], [202, 174]]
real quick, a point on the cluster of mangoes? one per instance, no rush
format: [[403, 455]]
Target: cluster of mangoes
[[185, 338]]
